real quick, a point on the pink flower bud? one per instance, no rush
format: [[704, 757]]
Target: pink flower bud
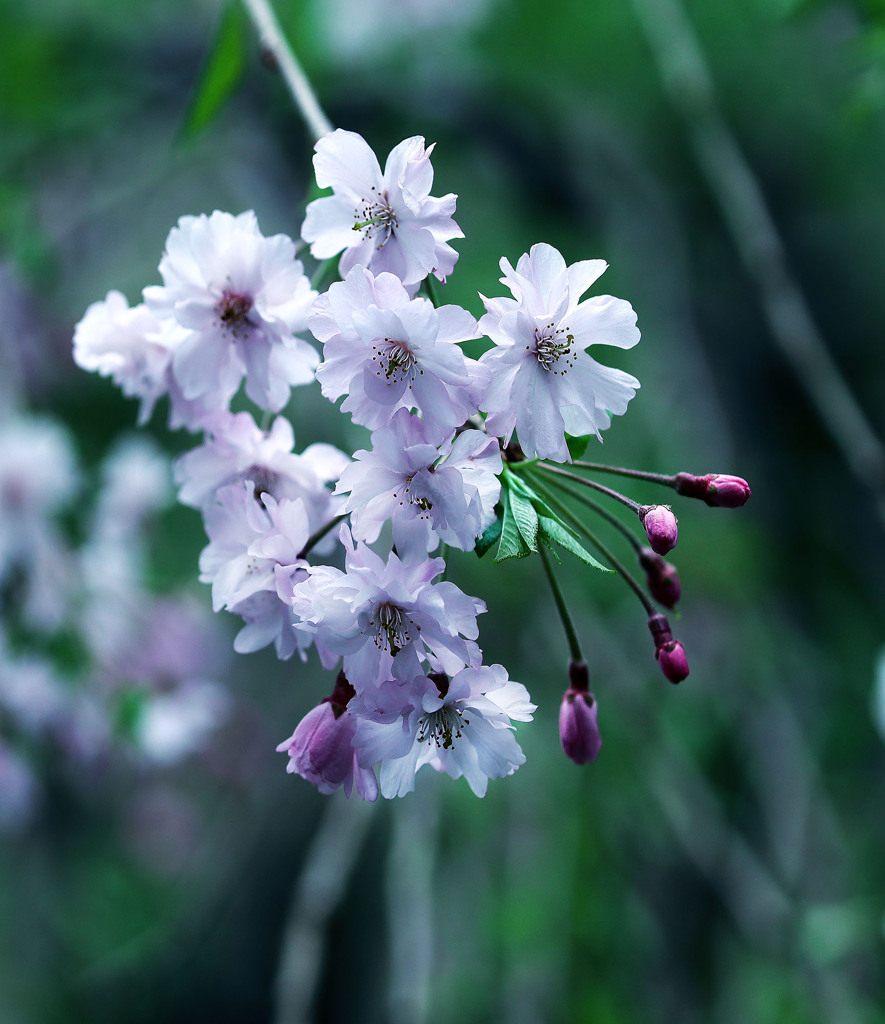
[[321, 748], [669, 652], [728, 491], [661, 578], [660, 526], [578, 728], [674, 664], [716, 489]]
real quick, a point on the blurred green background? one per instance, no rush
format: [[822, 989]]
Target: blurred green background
[[724, 859]]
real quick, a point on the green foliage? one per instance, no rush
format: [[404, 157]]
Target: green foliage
[[528, 518], [577, 445], [489, 538], [223, 71]]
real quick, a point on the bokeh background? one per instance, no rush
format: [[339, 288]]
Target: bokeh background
[[724, 859]]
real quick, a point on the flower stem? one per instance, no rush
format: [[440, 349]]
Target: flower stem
[[577, 495], [274, 43], [319, 275], [634, 506], [567, 624], [432, 294], [581, 528], [638, 474], [315, 538]]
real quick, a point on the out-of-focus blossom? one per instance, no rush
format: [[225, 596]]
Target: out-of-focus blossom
[[19, 790], [38, 477], [173, 725], [661, 578], [135, 487], [132, 346], [31, 694]]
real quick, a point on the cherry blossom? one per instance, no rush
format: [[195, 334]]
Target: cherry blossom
[[236, 449], [388, 221], [461, 726], [252, 561], [543, 383], [385, 351], [242, 298], [386, 618], [321, 748], [432, 492], [130, 345]]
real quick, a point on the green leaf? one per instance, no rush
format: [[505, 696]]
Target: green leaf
[[577, 445], [553, 532], [511, 544], [525, 488], [525, 517], [488, 538], [222, 73], [519, 485]]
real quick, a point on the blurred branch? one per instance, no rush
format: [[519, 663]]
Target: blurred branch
[[274, 45], [411, 870], [318, 891], [687, 79]]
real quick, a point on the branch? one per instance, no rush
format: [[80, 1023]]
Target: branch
[[274, 43], [318, 891]]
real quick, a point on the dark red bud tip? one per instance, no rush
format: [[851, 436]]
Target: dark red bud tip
[[341, 695], [659, 627], [660, 527], [578, 727], [661, 578], [717, 489], [579, 676], [674, 664]]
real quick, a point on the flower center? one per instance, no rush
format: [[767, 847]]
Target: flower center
[[411, 496], [551, 346], [233, 311], [264, 480], [392, 628], [396, 361], [442, 726], [375, 218]]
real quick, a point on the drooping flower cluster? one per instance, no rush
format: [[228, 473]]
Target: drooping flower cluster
[[442, 467]]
